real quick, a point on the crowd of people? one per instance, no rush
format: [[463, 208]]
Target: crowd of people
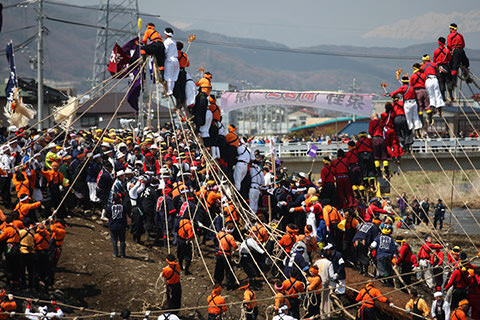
[[198, 181]]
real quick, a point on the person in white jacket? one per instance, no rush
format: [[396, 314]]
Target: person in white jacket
[[172, 67], [283, 314], [440, 307], [43, 313]]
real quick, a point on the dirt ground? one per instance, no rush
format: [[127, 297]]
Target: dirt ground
[[90, 276]]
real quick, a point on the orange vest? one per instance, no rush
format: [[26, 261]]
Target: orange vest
[[232, 139], [151, 34], [287, 241], [10, 234], [217, 115], [24, 208], [205, 86], [172, 273], [293, 287], [260, 232], [215, 302], [185, 229], [331, 215], [183, 59], [226, 243], [58, 233], [250, 298], [42, 240]]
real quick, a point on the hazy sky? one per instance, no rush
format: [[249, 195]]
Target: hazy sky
[[314, 22]]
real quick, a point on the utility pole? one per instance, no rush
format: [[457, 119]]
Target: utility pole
[[40, 64]]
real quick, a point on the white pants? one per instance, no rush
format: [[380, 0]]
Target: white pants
[[172, 68], [325, 302], [411, 113], [426, 272], [311, 221], [190, 91], [215, 152], [239, 173], [433, 91], [254, 195], [339, 286], [92, 191]]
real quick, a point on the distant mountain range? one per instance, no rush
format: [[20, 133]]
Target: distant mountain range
[[69, 55]]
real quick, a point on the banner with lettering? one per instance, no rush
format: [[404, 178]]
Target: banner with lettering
[[351, 103]]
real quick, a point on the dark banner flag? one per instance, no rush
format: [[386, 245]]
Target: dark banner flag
[[119, 60], [12, 83], [133, 50]]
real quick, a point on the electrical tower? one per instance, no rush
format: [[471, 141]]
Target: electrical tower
[[119, 20]]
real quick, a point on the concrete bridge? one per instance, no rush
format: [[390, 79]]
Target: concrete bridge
[[431, 154]]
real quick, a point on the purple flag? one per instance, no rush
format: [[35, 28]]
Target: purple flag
[[313, 151], [135, 89], [133, 50]]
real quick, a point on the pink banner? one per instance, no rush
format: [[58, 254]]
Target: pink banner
[[352, 103]]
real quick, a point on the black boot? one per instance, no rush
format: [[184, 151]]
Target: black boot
[[187, 267], [122, 249]]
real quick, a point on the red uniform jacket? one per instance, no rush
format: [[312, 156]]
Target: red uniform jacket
[[406, 90], [387, 119], [364, 144], [375, 128], [442, 55], [340, 167], [458, 278], [455, 40], [351, 156], [426, 250], [398, 108], [417, 80], [429, 69], [327, 174], [405, 254], [373, 211]]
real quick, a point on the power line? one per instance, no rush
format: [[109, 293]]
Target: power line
[[20, 29], [87, 25], [97, 9]]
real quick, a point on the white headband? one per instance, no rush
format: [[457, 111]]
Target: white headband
[[168, 33]]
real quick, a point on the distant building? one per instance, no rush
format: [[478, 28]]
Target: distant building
[[330, 126]]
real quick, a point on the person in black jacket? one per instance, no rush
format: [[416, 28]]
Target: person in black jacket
[[94, 169], [104, 185], [117, 222], [148, 203]]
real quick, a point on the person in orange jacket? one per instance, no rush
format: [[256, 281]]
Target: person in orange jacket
[[460, 313], [7, 304], [55, 183], [42, 241], [332, 218], [249, 302], [223, 260], [201, 100], [21, 183], [24, 206], [11, 236], [184, 243], [293, 289], [280, 298], [153, 45], [216, 303], [367, 297], [171, 274], [288, 239], [314, 286], [180, 85], [58, 232]]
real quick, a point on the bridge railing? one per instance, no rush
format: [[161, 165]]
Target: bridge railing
[[300, 149]]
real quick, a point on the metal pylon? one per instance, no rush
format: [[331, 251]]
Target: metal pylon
[[119, 18]]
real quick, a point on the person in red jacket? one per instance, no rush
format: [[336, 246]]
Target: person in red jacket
[[343, 184], [429, 68], [417, 81], [424, 255], [354, 171], [365, 160], [442, 57], [409, 104], [456, 44], [394, 148], [474, 293], [459, 281], [374, 211], [405, 261], [379, 148], [400, 124], [328, 182]]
